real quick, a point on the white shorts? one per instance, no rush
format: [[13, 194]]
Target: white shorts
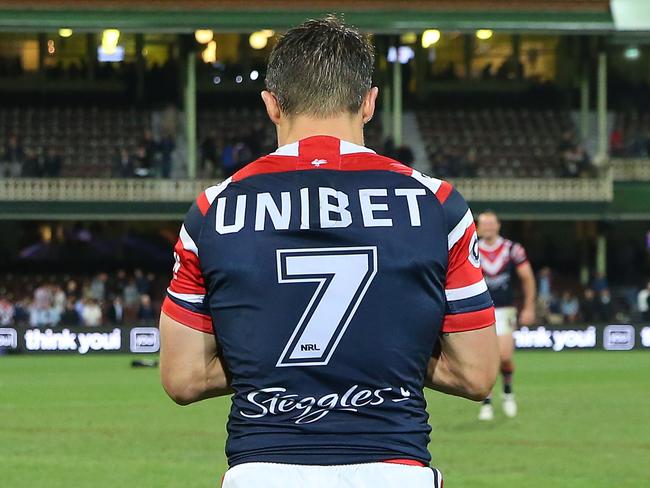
[[506, 320], [369, 475]]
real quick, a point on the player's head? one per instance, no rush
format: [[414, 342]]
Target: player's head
[[321, 69], [489, 225]]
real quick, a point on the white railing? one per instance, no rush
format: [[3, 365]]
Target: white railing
[[637, 169], [150, 190], [536, 189], [100, 190]]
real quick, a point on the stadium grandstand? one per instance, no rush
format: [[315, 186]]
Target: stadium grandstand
[[115, 115]]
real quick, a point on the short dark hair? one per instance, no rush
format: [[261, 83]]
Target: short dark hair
[[321, 68], [491, 212]]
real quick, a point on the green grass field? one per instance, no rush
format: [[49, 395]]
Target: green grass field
[[95, 422]]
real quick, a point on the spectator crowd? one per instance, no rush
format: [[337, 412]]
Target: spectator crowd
[[114, 299], [41, 161], [594, 303], [151, 157]]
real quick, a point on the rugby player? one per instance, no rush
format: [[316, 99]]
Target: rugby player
[[501, 259], [324, 286]]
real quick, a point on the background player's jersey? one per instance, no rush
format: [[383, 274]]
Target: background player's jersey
[[499, 262], [327, 273]]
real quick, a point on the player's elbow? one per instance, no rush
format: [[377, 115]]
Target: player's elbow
[[479, 390], [479, 383], [180, 390], [180, 396]]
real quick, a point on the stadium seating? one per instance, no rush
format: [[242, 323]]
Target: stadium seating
[[506, 142], [86, 136]]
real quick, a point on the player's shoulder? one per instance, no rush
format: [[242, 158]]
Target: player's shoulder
[[512, 245], [208, 196], [517, 251], [444, 191]]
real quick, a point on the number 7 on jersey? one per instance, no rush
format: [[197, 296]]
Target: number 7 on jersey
[[343, 275]]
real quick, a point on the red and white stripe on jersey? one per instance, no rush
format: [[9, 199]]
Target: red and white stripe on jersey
[[186, 293], [469, 305], [205, 199], [441, 189]]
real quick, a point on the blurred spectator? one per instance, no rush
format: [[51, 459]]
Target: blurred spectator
[[146, 311], [43, 316], [228, 161], [43, 297], [98, 287], [13, 158], [70, 316], [142, 282], [589, 306], [21, 310], [570, 307], [131, 295], [643, 303], [123, 166], [242, 154], [606, 306], [115, 313], [52, 163], [544, 284], [150, 148], [544, 293], [34, 163], [140, 163], [405, 155], [92, 313], [389, 148], [167, 146], [209, 158], [576, 162], [7, 312], [72, 289], [567, 142], [616, 144], [58, 298], [119, 283], [599, 282]]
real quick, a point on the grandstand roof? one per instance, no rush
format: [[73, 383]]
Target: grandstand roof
[[238, 15]]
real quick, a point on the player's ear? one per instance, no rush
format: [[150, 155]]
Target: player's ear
[[368, 105], [272, 106]]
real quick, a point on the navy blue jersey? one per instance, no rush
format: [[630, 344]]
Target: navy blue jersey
[[499, 262], [327, 273]]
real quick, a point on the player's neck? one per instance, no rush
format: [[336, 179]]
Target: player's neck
[[491, 241], [344, 127]]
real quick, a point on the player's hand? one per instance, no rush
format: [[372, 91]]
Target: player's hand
[[527, 316]]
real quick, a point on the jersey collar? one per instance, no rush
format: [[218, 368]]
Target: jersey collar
[[492, 247], [344, 147]]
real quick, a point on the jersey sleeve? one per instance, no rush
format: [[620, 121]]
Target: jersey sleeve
[[186, 295], [469, 305], [518, 254]]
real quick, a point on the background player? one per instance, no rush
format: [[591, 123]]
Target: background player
[[336, 282], [500, 260]]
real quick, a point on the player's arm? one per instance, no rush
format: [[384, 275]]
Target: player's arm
[[466, 359], [527, 279], [465, 364], [190, 367]]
